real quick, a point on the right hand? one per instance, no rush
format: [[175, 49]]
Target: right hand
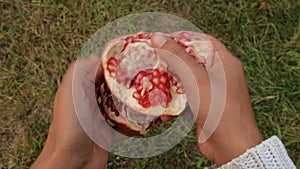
[[237, 130]]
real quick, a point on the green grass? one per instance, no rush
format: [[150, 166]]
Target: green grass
[[39, 39]]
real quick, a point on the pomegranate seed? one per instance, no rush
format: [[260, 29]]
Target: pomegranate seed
[[158, 100], [111, 68], [155, 81], [149, 88], [139, 88], [167, 85], [179, 91], [170, 77], [179, 85], [174, 83], [112, 61], [144, 101], [121, 75], [164, 88], [129, 84], [136, 40], [124, 46], [146, 104], [155, 73], [157, 97], [189, 50], [161, 70], [143, 36], [164, 104], [174, 80], [112, 64], [182, 44], [136, 95], [143, 92], [163, 79], [140, 36], [140, 75], [169, 98], [149, 76], [113, 74]]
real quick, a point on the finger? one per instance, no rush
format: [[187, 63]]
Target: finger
[[221, 52], [165, 43], [221, 58], [193, 76], [86, 74], [67, 78], [217, 44], [86, 68]]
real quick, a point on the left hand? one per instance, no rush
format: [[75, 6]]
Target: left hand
[[68, 145]]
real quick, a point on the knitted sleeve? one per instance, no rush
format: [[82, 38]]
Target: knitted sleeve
[[270, 154]]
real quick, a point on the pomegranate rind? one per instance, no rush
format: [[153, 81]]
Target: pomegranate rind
[[196, 44], [117, 120]]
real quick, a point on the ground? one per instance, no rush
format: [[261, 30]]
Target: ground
[[39, 39]]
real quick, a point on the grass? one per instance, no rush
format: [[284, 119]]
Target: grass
[[39, 39]]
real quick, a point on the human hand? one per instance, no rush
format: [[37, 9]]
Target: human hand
[[68, 145], [237, 130]]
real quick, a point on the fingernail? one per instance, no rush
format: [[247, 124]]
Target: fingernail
[[159, 39]]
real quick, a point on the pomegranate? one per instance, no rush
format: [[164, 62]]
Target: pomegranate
[[139, 88]]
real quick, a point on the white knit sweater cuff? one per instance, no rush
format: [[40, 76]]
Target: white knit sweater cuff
[[270, 154]]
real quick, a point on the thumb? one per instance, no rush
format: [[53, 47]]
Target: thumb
[[193, 76], [162, 41]]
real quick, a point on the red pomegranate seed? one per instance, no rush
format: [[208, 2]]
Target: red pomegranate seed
[[155, 81], [163, 87], [179, 91], [163, 79], [121, 75], [161, 71], [174, 81], [112, 61], [150, 76], [112, 65], [136, 95], [182, 44], [140, 75], [155, 73], [144, 101], [111, 68], [139, 88]]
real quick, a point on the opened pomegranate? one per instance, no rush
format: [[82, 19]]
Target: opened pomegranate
[[139, 88]]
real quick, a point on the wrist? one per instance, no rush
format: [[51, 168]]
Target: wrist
[[232, 145], [62, 157], [49, 159]]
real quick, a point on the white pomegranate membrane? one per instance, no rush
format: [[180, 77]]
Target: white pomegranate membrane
[[139, 88]]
